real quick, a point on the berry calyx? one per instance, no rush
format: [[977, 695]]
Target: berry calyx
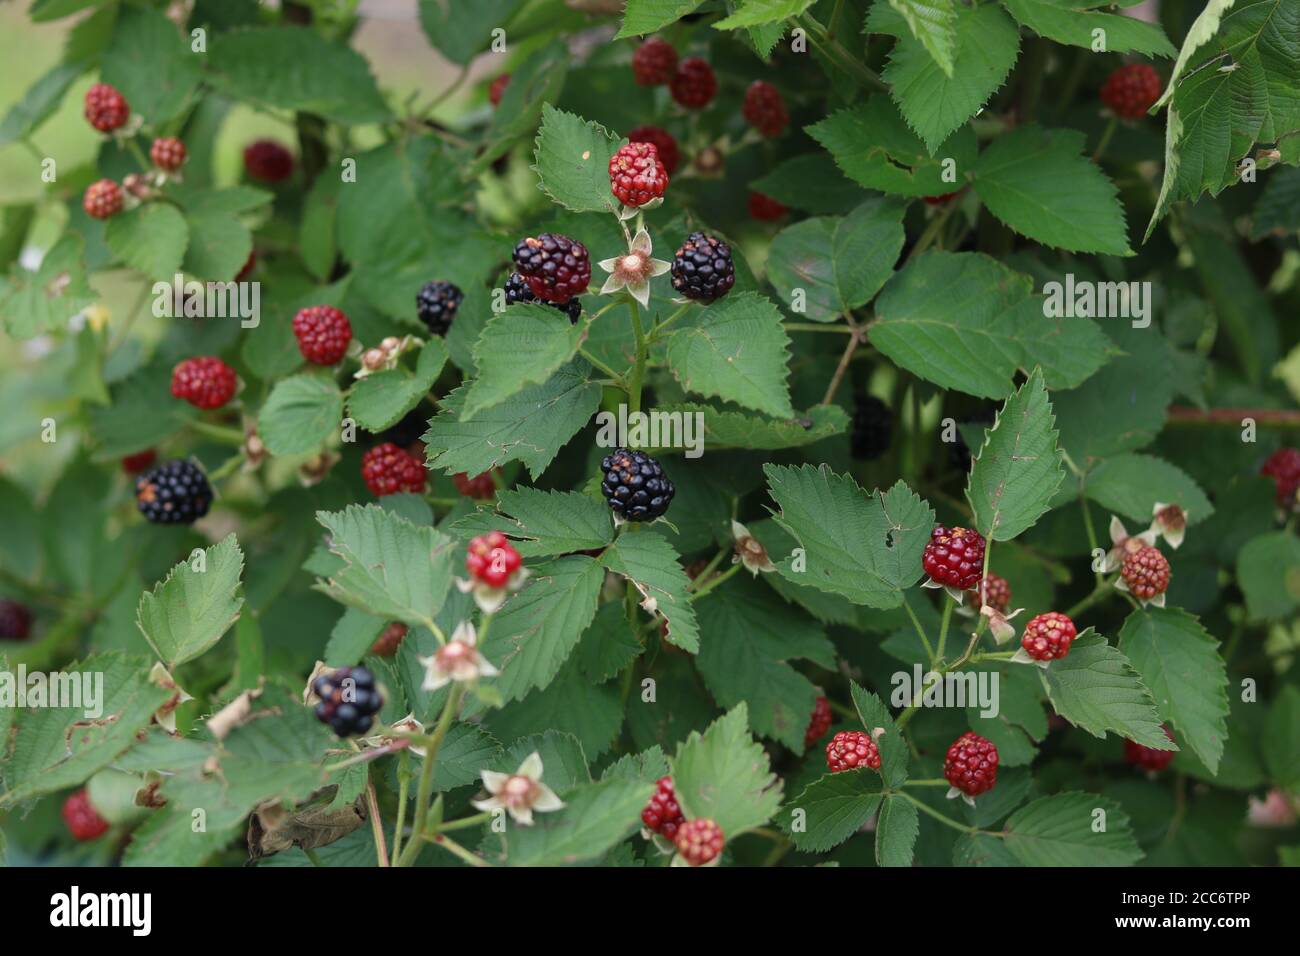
[[699, 841], [636, 174], [106, 108], [818, 723], [102, 199], [555, 267], [765, 208], [1131, 90], [387, 643], [1148, 758], [268, 161], [995, 592], [1048, 636], [323, 333], [205, 382], [635, 486], [481, 487], [517, 290], [663, 141], [175, 492], [349, 700], [663, 815], [693, 85], [498, 88], [15, 620], [1146, 572], [81, 817], [873, 428], [851, 749], [492, 559], [134, 464], [1283, 466], [764, 109], [702, 268], [388, 470], [954, 558], [971, 764], [436, 304], [654, 63], [167, 154]]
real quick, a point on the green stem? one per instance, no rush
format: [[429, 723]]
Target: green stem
[[932, 231], [449, 711], [450, 845], [927, 783], [714, 582], [476, 820], [1102, 589], [220, 433], [403, 793], [659, 327], [1091, 532], [943, 626], [946, 820], [311, 855], [834, 327], [638, 369], [920, 632], [603, 367], [1106, 136], [834, 51], [708, 569]]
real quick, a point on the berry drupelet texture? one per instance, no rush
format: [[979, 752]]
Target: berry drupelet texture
[[1048, 636], [702, 268], [996, 592], [555, 267], [693, 85], [492, 559], [818, 723], [388, 470], [954, 557], [851, 749], [205, 382], [175, 492], [663, 815], [268, 161], [662, 140], [654, 63], [481, 487], [1131, 90], [349, 700], [81, 818], [699, 841], [516, 290], [1146, 572], [106, 108], [436, 304], [971, 764], [102, 199], [1283, 466], [1148, 758], [387, 643], [323, 333], [15, 620], [873, 428], [764, 109], [636, 174], [167, 154], [635, 485]]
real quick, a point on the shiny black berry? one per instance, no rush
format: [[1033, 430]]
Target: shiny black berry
[[873, 426], [516, 290], [555, 267], [349, 700], [702, 269], [635, 485], [175, 492], [437, 304]]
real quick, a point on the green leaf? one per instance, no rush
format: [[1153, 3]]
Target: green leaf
[[34, 302], [219, 245], [524, 345], [465, 751], [608, 645], [135, 419], [1179, 662], [150, 61], [1038, 184], [1096, 689], [896, 830], [730, 429], [188, 611], [151, 238], [1130, 485], [737, 351], [865, 547], [1073, 22], [934, 24], [811, 182], [1062, 830], [461, 31], [967, 322], [1268, 572], [831, 809], [537, 629], [936, 102], [352, 637], [1018, 471], [723, 775], [569, 704], [1282, 738], [647, 16], [596, 816], [393, 569], [543, 523], [20, 547], [755, 13], [651, 564], [837, 263], [39, 102], [573, 161], [530, 427], [300, 414], [564, 763], [379, 401], [893, 748]]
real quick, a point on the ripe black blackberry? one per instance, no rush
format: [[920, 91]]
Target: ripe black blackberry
[[437, 304], [555, 267], [873, 428], [349, 700], [702, 269], [175, 492], [635, 485], [516, 290]]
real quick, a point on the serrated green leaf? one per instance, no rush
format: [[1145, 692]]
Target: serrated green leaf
[[729, 429], [896, 830], [1062, 830], [39, 102], [569, 704], [934, 24], [1130, 485], [756, 13], [352, 637], [1268, 572], [189, 610], [465, 752], [524, 345], [831, 809], [380, 400], [1281, 744], [596, 816], [608, 645], [811, 182], [134, 419], [34, 302], [893, 748], [647, 16], [564, 763], [649, 561], [151, 239], [1073, 22], [723, 775], [543, 523], [150, 61], [573, 161], [300, 414], [461, 31]]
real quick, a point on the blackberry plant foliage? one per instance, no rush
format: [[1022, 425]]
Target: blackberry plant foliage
[[614, 433]]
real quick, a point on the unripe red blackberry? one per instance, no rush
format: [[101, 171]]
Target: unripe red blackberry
[[102, 200], [654, 63], [205, 382], [492, 559], [387, 643], [663, 815], [699, 841], [106, 108], [482, 487], [954, 558], [941, 200], [636, 174], [765, 208], [996, 592], [268, 161], [388, 470], [1131, 90], [134, 464], [1283, 466], [764, 109], [694, 85], [1146, 572], [851, 749], [1148, 758], [323, 333], [818, 723], [15, 620], [1048, 636], [498, 89], [555, 267], [81, 817], [167, 154], [663, 141], [971, 764]]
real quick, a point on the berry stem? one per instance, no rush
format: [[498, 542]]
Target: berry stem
[[447, 843], [464, 823], [376, 822], [855, 339], [449, 711], [833, 327], [660, 326], [834, 51], [1102, 589], [1091, 532], [946, 820], [943, 626], [708, 569], [313, 856], [927, 783], [920, 631], [638, 370], [403, 794], [932, 231], [219, 433], [714, 582], [618, 379], [1106, 136]]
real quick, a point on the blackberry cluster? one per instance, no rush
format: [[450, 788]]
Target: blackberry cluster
[[954, 558], [663, 814], [654, 63], [167, 154], [387, 643], [81, 818], [102, 199], [819, 722], [702, 269], [175, 492], [851, 749], [1131, 90], [699, 841], [436, 304], [764, 109], [1048, 636], [517, 290], [635, 485], [1148, 758], [996, 592], [349, 700], [498, 89], [268, 161], [323, 334], [662, 140], [555, 267], [764, 208], [694, 84], [15, 620], [971, 764], [873, 428], [1146, 572], [106, 108], [1283, 466]]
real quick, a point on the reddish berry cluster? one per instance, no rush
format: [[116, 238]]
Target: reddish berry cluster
[[167, 154], [388, 470], [818, 723], [662, 140], [83, 820], [954, 557], [268, 161], [971, 764], [765, 208], [106, 108], [1283, 466], [1131, 90], [102, 200], [555, 267], [134, 464], [654, 63], [1146, 572], [694, 85], [204, 382], [636, 174], [996, 592], [15, 620], [483, 487], [492, 559], [1048, 636], [387, 643], [851, 749], [663, 814], [1148, 758], [498, 89], [764, 109], [699, 841], [323, 333]]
